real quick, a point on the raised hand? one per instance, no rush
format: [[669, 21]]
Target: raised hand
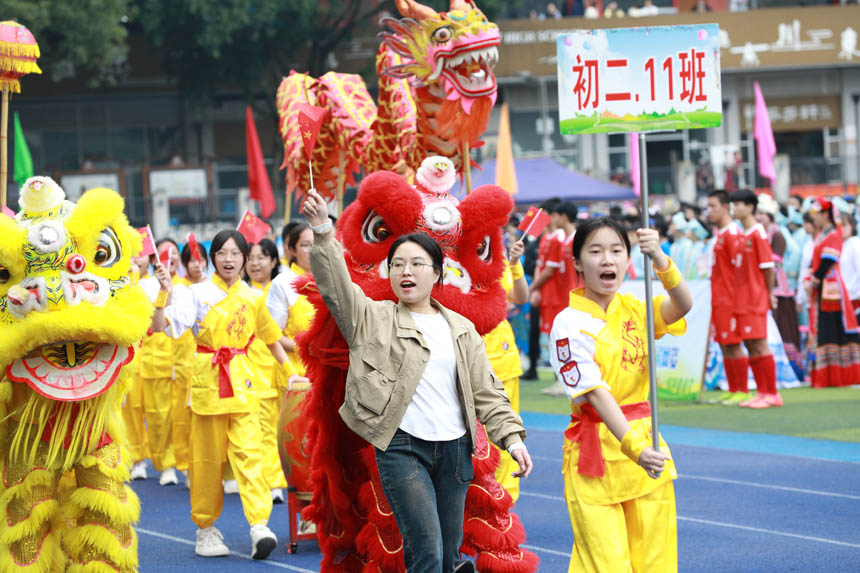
[[315, 209]]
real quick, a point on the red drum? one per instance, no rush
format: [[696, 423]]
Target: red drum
[[292, 442]]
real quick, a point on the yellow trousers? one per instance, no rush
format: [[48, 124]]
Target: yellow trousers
[[214, 439], [181, 428], [639, 535], [133, 415], [507, 464], [156, 405], [272, 471]]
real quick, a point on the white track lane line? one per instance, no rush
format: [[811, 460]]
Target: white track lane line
[[545, 550], [729, 525], [742, 483], [232, 553]]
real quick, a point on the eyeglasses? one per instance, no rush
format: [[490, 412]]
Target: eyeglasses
[[228, 255], [258, 259], [399, 267]]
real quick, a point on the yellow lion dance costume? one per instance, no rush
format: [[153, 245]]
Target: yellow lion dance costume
[[69, 321]]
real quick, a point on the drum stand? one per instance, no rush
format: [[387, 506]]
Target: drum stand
[[296, 502]]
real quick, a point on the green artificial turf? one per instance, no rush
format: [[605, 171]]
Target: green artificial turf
[[827, 414]]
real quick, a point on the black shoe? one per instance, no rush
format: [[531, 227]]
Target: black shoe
[[464, 566], [529, 375]]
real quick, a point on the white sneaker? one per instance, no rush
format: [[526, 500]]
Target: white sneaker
[[210, 543], [187, 479], [263, 541], [138, 470], [230, 486], [168, 477], [277, 495]]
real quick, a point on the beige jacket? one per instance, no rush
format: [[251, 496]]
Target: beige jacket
[[388, 354]]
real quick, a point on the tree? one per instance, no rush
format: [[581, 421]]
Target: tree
[[85, 37]]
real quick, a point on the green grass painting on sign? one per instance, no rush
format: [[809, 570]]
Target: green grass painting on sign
[[644, 122]]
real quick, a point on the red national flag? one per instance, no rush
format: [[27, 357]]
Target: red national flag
[[148, 242], [534, 222], [194, 247], [258, 178], [310, 123], [164, 253], [252, 228]]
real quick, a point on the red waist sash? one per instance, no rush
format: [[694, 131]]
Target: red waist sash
[[585, 431], [222, 358]]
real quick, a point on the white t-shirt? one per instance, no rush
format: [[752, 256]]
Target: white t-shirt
[[849, 264], [281, 297], [434, 414]]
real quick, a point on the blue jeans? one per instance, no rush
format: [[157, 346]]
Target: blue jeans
[[426, 483]]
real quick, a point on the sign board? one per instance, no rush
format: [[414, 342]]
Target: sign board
[[801, 113], [74, 184], [179, 183], [639, 79]]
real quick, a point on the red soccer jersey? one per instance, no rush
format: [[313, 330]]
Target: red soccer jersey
[[752, 257], [556, 291], [723, 268], [543, 250]]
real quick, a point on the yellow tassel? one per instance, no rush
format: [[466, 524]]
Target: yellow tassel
[[10, 85], [38, 477], [21, 50], [11, 65], [39, 515]]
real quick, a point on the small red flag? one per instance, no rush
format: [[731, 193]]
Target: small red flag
[[164, 253], [534, 222], [8, 212], [310, 123], [252, 228], [258, 178], [194, 247], [148, 243]]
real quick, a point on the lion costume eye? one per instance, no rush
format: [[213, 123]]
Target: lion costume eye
[[375, 230], [442, 35], [4, 275], [484, 249], [108, 251]]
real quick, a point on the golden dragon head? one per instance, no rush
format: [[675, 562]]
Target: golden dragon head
[[69, 317], [456, 50]]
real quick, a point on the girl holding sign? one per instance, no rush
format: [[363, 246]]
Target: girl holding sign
[[618, 488]]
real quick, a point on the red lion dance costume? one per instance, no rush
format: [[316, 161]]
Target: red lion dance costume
[[436, 90]]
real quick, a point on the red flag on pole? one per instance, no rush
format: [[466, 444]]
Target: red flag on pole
[[310, 123], [148, 242], [164, 253], [194, 247], [252, 227], [258, 178], [534, 222]]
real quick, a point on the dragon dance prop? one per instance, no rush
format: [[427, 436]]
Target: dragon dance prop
[[436, 91], [69, 322], [355, 526], [18, 54]]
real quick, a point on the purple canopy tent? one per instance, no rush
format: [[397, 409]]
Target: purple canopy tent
[[542, 178]]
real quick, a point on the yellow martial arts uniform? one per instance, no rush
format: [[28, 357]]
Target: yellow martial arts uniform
[[622, 520], [505, 359], [156, 374], [132, 407], [224, 420], [299, 320], [183, 359], [266, 377]]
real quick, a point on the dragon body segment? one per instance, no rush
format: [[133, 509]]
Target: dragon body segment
[[436, 91]]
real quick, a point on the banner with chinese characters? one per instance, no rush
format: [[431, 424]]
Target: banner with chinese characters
[[639, 79], [681, 359]]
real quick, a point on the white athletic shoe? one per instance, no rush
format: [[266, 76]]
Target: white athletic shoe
[[263, 541], [168, 477], [230, 486], [187, 479], [277, 495], [210, 543], [138, 470]]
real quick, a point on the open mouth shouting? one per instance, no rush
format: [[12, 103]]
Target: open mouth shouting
[[70, 371], [407, 286], [608, 278]]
